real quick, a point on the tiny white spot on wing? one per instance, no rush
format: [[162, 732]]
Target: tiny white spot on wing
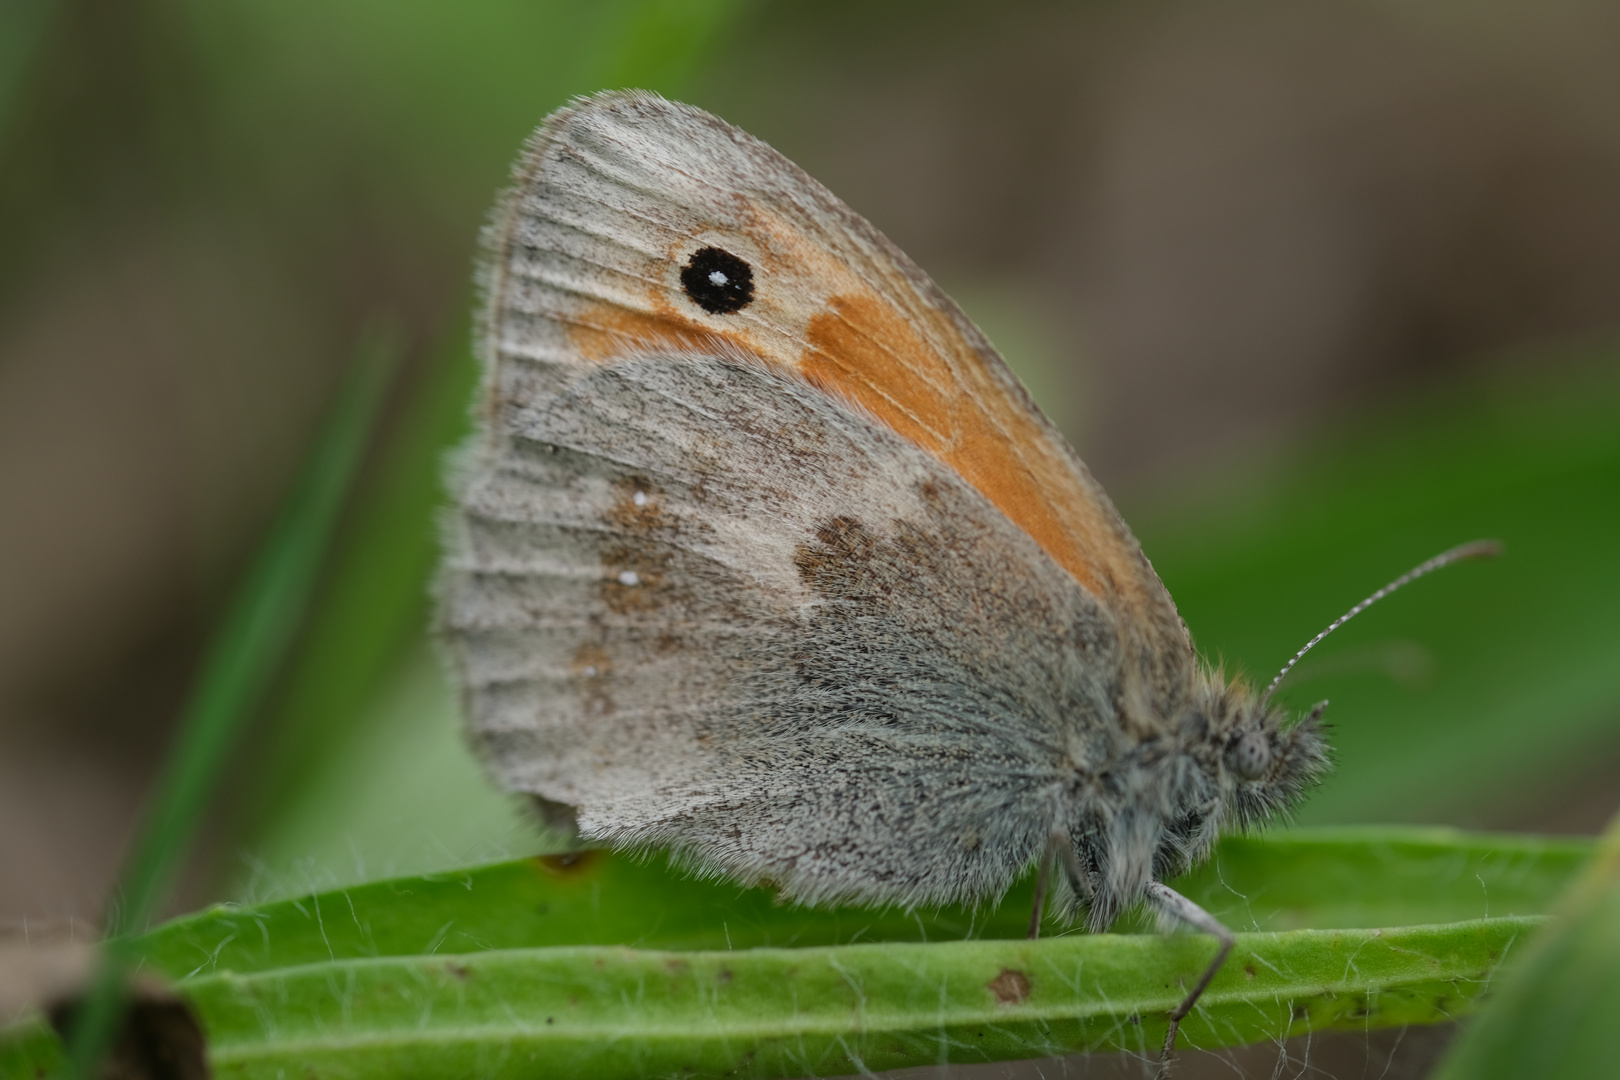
[[718, 277], [629, 577], [639, 498]]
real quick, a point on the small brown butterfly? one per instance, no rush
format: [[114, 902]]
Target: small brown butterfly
[[762, 555]]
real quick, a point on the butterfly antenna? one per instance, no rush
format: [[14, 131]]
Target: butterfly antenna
[[1479, 549]]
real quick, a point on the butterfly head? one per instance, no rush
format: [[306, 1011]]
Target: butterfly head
[[1261, 758], [1238, 762], [1226, 761]]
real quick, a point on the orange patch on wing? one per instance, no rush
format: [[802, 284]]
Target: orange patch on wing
[[860, 347], [606, 331]]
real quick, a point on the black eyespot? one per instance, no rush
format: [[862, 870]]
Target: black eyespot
[[1250, 755], [718, 281]]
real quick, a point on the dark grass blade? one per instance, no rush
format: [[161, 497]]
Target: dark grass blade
[[24, 26], [249, 648]]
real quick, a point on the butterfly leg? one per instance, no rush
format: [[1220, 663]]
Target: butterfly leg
[[1079, 877], [1058, 846], [1041, 877], [1174, 904]]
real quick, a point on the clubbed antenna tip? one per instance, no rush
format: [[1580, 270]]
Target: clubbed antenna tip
[[1478, 549]]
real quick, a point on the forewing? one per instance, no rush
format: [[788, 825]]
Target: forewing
[[613, 198]]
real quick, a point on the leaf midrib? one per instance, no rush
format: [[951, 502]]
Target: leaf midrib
[[820, 1022]]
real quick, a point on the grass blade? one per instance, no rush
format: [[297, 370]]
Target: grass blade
[[248, 649]]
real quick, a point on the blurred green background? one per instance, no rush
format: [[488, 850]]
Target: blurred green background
[[1317, 293]]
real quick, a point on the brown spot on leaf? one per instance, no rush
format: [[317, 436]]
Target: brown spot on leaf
[[1248, 969], [460, 971], [1010, 987]]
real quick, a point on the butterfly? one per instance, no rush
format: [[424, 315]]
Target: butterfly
[[761, 555]]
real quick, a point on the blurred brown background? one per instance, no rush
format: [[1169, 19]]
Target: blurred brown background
[[1196, 230]]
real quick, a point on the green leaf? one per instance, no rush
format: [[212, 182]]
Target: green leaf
[[604, 965], [618, 1012], [1555, 1014], [1327, 879]]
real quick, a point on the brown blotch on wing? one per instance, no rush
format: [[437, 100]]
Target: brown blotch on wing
[[636, 507], [838, 564], [634, 577], [591, 669]]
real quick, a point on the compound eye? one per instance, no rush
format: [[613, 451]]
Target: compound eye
[[1251, 755]]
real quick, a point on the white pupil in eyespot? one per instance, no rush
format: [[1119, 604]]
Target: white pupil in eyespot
[[629, 577], [717, 277], [639, 498]]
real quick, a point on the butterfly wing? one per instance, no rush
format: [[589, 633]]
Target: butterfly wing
[[714, 608], [696, 527]]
